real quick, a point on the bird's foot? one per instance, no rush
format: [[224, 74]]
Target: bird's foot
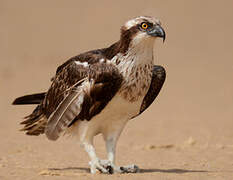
[[97, 166], [108, 165], [129, 169], [116, 169]]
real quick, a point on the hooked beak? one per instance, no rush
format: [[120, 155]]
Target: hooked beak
[[157, 31]]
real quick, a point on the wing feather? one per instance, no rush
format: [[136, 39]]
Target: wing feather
[[65, 113], [158, 78], [67, 101], [70, 98]]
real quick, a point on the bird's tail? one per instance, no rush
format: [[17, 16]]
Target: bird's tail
[[35, 123], [29, 99]]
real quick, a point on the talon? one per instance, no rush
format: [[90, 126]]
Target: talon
[[136, 168], [122, 168], [129, 169], [110, 169], [97, 166], [102, 169]]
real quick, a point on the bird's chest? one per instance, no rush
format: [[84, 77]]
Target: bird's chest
[[136, 69], [136, 82], [112, 118], [119, 108]]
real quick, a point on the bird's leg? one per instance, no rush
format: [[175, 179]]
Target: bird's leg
[[95, 162], [110, 163]]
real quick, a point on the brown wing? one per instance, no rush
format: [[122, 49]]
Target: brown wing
[[79, 92], [158, 78], [102, 79], [68, 77]]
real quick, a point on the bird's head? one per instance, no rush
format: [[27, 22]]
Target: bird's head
[[141, 29]]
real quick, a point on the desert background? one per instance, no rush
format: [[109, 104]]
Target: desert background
[[188, 131]]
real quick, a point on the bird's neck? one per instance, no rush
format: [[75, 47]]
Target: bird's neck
[[137, 54]]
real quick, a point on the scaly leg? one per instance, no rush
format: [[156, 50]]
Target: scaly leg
[[95, 162], [110, 163]]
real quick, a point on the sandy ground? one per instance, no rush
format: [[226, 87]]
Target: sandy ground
[[186, 134]]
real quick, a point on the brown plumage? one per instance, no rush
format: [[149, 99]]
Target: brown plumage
[[158, 78], [99, 91]]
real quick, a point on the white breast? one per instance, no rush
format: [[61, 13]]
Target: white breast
[[109, 122]]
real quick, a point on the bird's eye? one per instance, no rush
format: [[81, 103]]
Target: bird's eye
[[144, 26]]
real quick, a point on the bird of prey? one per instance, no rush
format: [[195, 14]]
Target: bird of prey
[[99, 91]]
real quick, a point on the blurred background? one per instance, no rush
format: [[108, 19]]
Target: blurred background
[[195, 103]]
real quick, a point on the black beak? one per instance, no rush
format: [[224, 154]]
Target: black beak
[[157, 31]]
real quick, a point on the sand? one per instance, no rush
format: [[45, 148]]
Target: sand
[[186, 134]]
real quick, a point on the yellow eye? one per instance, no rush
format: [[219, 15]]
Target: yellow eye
[[144, 26]]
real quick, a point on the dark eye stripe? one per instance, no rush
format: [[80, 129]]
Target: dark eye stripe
[[150, 25]]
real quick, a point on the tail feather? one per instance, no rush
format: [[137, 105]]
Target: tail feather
[[35, 128], [35, 123], [34, 116], [29, 99]]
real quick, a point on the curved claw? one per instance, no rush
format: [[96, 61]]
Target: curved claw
[[94, 166], [129, 169], [110, 168]]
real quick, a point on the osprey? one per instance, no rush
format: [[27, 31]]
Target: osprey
[[99, 91]]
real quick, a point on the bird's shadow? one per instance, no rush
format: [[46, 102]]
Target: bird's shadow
[[175, 171], [82, 169]]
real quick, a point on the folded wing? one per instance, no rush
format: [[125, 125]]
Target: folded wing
[[158, 78], [79, 92]]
